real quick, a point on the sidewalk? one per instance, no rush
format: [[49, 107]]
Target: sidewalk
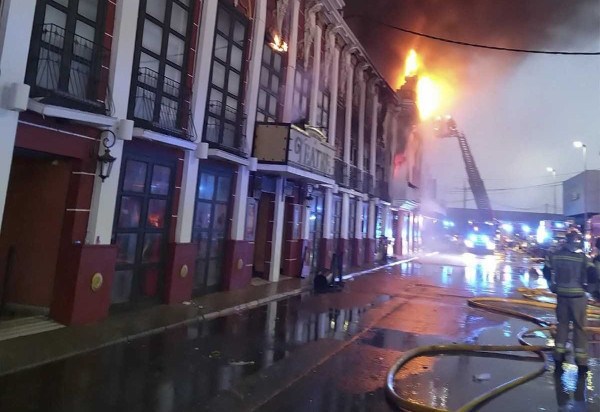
[[33, 350]]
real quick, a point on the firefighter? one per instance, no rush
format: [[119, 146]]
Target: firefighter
[[567, 272]]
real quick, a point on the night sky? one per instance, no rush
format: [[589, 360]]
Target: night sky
[[520, 112]]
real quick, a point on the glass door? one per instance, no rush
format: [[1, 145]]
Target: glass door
[[141, 228], [210, 227]]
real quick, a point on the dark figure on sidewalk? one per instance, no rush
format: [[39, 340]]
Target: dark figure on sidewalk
[[566, 271]]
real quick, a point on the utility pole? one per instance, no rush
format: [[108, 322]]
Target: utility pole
[[464, 195]]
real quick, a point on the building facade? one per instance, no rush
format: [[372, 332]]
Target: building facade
[[158, 150]]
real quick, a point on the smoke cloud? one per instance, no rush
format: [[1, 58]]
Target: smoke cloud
[[531, 24]]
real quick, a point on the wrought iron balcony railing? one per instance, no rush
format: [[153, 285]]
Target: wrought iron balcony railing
[[226, 128], [170, 113], [342, 176], [368, 184], [68, 70], [355, 178]]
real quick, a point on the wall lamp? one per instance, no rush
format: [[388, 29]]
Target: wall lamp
[[106, 160]]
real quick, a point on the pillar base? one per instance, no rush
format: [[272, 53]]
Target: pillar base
[[326, 254], [75, 300], [181, 266], [237, 264], [359, 252], [344, 251], [370, 245]]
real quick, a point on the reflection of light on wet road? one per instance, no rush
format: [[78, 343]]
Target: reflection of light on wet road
[[479, 271]]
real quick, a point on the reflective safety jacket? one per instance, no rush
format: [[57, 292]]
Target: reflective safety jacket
[[568, 268]]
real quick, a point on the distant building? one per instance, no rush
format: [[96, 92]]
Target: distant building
[[582, 189]]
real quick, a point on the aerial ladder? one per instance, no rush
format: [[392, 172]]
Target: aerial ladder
[[447, 128]]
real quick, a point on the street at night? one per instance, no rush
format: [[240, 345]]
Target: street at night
[[299, 205], [325, 352]]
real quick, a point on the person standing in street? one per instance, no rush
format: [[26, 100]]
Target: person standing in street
[[567, 272]]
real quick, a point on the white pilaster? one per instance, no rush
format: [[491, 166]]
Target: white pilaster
[[335, 78], [358, 219], [187, 198], [374, 112], [277, 237], [258, 42], [345, 224], [288, 103], [348, 120], [16, 23], [362, 106], [104, 196], [328, 214], [372, 218], [238, 218], [206, 37], [316, 72]]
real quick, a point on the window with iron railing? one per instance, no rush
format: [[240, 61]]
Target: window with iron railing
[[67, 64], [270, 81], [323, 110], [224, 124], [301, 95], [159, 98]]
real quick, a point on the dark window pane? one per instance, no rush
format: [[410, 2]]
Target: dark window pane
[[179, 19], [223, 21], [218, 75], [239, 33], [175, 49], [88, 8], [126, 244], [221, 48], [152, 37], [213, 277], [135, 176], [130, 212], [151, 252], [202, 239], [223, 188], [203, 215], [206, 186], [156, 8], [161, 177], [216, 247], [157, 208], [121, 286], [236, 58], [220, 218]]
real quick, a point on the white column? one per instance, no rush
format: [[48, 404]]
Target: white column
[[316, 71], [206, 36], [238, 218], [335, 78], [348, 122], [328, 214], [358, 219], [258, 42], [277, 238], [373, 148], [187, 198], [16, 23], [345, 224], [361, 118], [288, 103], [104, 196], [372, 217]]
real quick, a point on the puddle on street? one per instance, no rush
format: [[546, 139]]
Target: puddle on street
[[186, 365]]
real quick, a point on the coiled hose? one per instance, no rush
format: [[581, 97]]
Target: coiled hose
[[485, 350]]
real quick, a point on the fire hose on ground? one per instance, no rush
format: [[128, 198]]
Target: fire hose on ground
[[498, 351]]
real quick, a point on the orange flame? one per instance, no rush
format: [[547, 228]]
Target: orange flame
[[429, 97], [278, 44], [411, 66]]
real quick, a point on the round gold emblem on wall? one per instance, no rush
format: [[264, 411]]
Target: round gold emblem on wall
[[184, 271], [240, 264], [97, 280]]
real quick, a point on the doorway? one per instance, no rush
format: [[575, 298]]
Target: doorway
[[141, 226], [31, 231], [264, 235]]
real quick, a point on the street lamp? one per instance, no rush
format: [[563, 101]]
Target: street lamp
[[580, 145], [553, 171]]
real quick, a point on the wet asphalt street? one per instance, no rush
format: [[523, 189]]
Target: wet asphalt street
[[326, 352]]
